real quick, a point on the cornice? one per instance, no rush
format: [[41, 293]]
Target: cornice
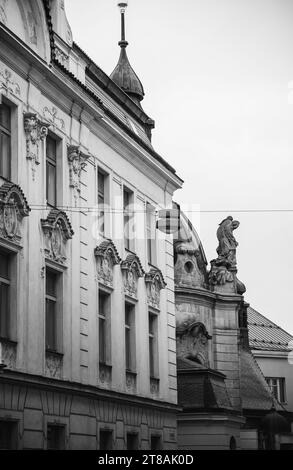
[[88, 391]]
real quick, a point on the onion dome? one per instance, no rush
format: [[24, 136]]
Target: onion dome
[[274, 423], [123, 74]]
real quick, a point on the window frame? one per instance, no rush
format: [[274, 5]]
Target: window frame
[[153, 344], [151, 234], [129, 337], [62, 438], [106, 320], [111, 434], [279, 386], [128, 219], [14, 433], [57, 299], [8, 133]]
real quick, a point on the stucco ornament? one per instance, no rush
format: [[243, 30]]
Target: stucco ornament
[[132, 270], [57, 230], [224, 268], [192, 343], [77, 162], [36, 132], [155, 282], [3, 16], [107, 256], [13, 208]]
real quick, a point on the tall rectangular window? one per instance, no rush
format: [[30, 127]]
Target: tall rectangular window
[[156, 442], [55, 437], [153, 345], [5, 141], [130, 353], [101, 202], [151, 234], [278, 387], [4, 294], [128, 219], [51, 310], [104, 328], [51, 171], [8, 435]]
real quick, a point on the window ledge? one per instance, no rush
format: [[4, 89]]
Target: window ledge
[[131, 372], [105, 364], [153, 377], [54, 353], [8, 341]]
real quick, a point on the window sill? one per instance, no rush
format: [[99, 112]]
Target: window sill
[[8, 341], [131, 372], [105, 364], [155, 378], [54, 353]]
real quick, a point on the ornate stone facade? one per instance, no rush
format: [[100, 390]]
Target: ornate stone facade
[[36, 131], [132, 270], [154, 282], [107, 256], [8, 350], [57, 230], [13, 208], [8, 84], [192, 342]]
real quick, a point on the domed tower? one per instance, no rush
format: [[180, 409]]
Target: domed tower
[[123, 74]]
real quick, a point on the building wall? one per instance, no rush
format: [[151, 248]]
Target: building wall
[[75, 118], [276, 364]]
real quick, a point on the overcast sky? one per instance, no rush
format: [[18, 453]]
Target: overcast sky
[[217, 78]]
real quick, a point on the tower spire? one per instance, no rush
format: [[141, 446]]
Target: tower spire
[[123, 74], [123, 6]]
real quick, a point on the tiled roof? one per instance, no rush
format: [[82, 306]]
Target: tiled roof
[[255, 392], [266, 335]]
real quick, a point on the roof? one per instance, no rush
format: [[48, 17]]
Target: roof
[[255, 392], [266, 335]]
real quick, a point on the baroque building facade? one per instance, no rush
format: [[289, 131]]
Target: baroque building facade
[[87, 331]]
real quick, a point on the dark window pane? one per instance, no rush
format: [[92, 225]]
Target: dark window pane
[[5, 117], [102, 340], [8, 435], [5, 155], [50, 325], [55, 437], [4, 265], [51, 281], [101, 184], [156, 443], [132, 441], [51, 148], [106, 440], [4, 310], [51, 184]]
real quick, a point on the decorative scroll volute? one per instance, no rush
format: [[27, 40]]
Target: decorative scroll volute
[[36, 131]]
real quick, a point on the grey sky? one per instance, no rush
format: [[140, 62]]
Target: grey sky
[[216, 75]]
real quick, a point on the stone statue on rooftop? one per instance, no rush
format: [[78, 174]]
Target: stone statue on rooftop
[[227, 242]]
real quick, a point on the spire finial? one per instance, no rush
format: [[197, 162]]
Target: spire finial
[[123, 6]]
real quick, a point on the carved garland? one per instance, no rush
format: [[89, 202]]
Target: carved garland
[[36, 131], [13, 208], [155, 282], [57, 230], [107, 256], [132, 270]]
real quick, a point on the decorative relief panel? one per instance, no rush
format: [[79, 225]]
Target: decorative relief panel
[[51, 115], [8, 354], [132, 270], [36, 131], [154, 282], [61, 56], [77, 162], [105, 374], [13, 208], [107, 256], [3, 16], [57, 230], [8, 84], [131, 381], [154, 386], [192, 343], [53, 366]]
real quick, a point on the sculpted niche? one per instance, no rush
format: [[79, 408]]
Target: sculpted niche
[[107, 257], [13, 208], [57, 231], [132, 270], [155, 282], [192, 343]]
